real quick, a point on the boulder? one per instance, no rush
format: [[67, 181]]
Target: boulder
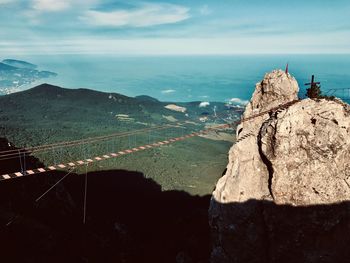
[[285, 194]]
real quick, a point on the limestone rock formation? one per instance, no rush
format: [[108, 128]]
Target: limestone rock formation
[[285, 195]]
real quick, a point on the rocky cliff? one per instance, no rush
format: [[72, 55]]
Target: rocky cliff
[[285, 195]]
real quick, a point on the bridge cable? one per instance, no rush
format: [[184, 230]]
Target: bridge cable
[[52, 187]]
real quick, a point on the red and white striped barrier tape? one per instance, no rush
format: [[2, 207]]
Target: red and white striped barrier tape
[[106, 156]]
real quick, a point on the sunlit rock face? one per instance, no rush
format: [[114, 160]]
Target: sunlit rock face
[[285, 194], [247, 175], [308, 146]]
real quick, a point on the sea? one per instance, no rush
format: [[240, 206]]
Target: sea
[[189, 78]]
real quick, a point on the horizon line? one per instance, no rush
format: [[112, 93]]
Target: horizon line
[[174, 54]]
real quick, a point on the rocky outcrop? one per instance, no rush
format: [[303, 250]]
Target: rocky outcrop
[[285, 194]]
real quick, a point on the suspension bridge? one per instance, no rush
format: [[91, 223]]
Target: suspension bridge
[[110, 146], [341, 93]]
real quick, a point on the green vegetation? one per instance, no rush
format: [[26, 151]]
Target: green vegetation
[[49, 114], [314, 92]]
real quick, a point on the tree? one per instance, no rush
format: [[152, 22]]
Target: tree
[[314, 92]]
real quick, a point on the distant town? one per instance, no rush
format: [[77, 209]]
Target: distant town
[[15, 75]]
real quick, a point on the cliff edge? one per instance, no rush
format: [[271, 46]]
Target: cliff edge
[[285, 195]]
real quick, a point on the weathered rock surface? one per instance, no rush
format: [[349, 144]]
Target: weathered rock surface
[[285, 195]]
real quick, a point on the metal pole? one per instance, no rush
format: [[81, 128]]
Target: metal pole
[[20, 160], [85, 194]]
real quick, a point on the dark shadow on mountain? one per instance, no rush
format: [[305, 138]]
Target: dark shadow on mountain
[[129, 219], [263, 232]]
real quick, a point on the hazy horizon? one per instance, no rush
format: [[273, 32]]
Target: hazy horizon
[[187, 78]]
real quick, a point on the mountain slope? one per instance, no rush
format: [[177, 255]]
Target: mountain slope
[[19, 64], [5, 67], [49, 113]]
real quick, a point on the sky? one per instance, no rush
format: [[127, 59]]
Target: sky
[[174, 27]]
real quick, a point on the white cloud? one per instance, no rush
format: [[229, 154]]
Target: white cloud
[[51, 5], [168, 91], [60, 5], [146, 15], [238, 101], [205, 10], [3, 2], [204, 104]]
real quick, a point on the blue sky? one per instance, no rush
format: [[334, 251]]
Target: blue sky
[[173, 27]]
